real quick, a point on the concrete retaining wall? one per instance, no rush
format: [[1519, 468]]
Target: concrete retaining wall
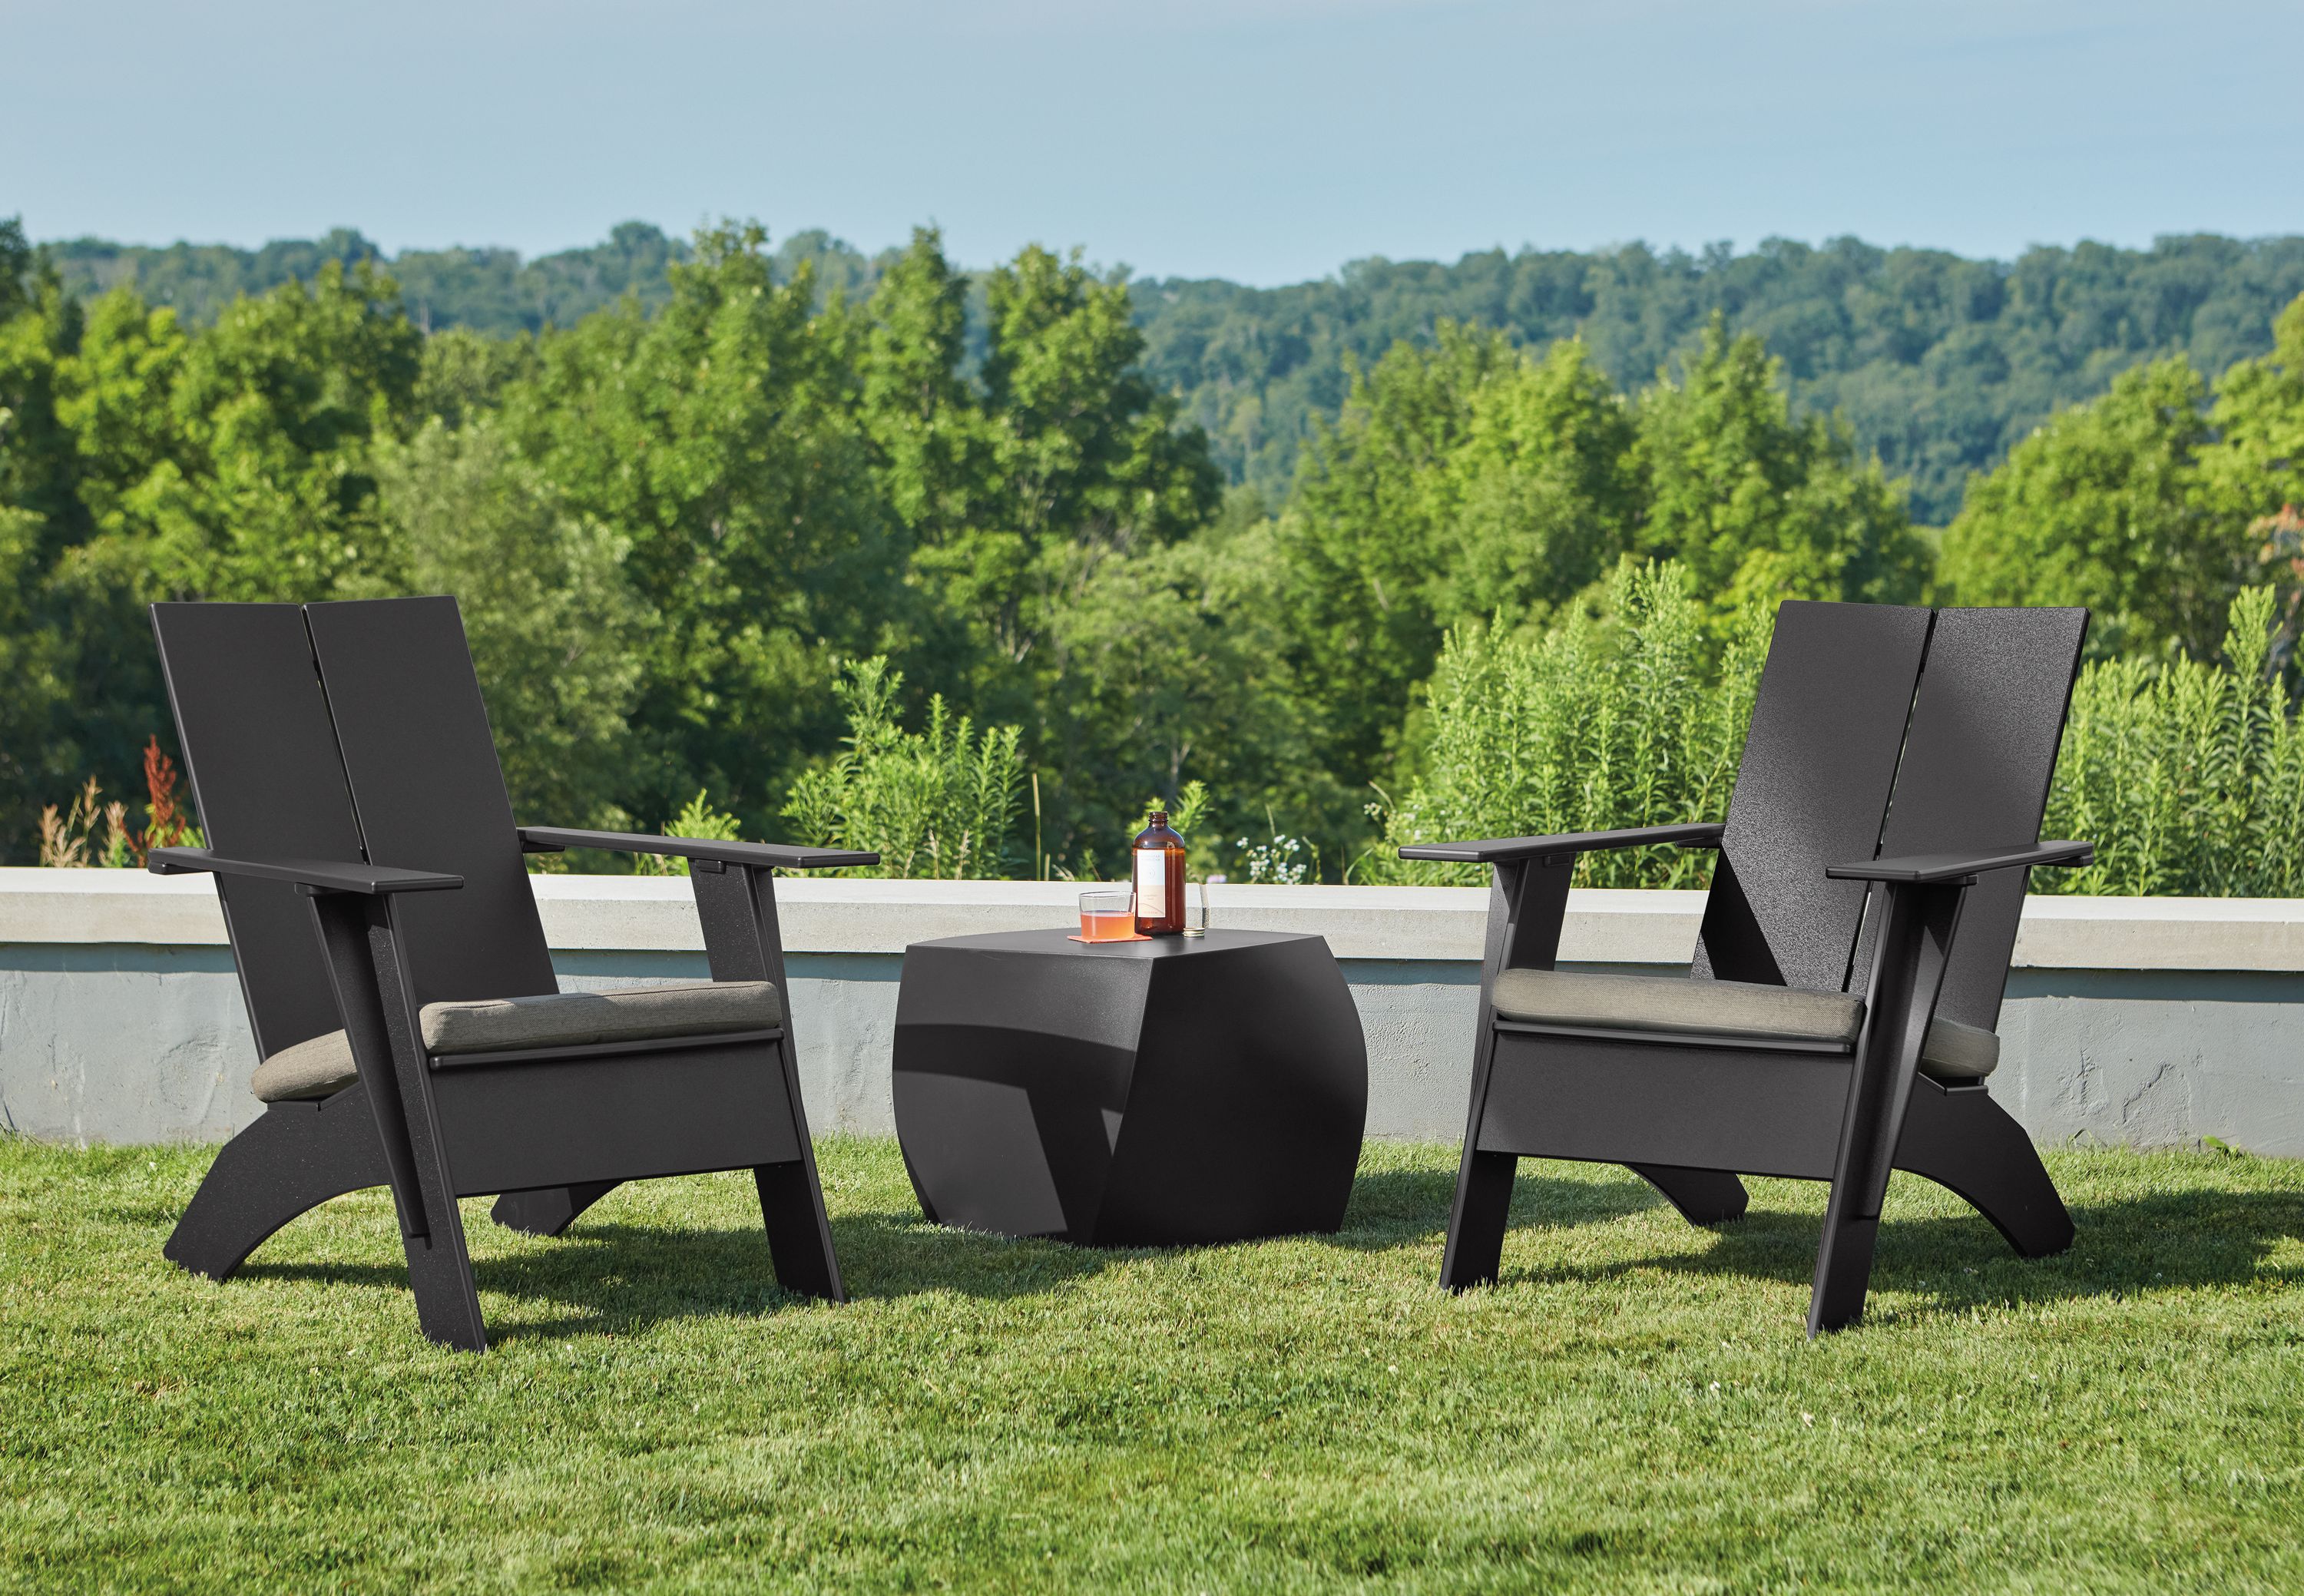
[[2151, 1022]]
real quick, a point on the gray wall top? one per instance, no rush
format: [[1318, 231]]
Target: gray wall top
[[837, 915]]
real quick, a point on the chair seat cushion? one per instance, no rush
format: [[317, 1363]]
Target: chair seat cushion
[[1957, 1052], [318, 1068], [573, 1019], [1676, 1004], [1669, 1004], [451, 1031]]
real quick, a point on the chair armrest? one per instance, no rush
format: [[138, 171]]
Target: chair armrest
[[1702, 834], [551, 839], [318, 875], [1934, 868]]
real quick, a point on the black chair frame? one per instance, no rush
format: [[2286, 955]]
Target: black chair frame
[[547, 1131], [1689, 1113]]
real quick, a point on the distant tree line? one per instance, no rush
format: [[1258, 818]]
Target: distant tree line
[[1939, 364], [691, 525]]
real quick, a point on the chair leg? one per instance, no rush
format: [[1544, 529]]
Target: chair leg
[[358, 939], [800, 1232], [439, 1266], [1702, 1196], [1916, 930], [292, 1159], [738, 908], [447, 1303], [1844, 1267], [1476, 1226], [549, 1210], [1965, 1141]]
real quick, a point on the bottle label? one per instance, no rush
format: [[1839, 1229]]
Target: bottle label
[[1151, 884]]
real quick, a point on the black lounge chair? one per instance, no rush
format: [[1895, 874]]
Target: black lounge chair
[[1832, 1027], [412, 1030]]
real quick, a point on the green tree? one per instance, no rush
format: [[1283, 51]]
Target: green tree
[[1170, 667], [1027, 496], [720, 437], [558, 636], [1357, 543], [932, 451], [1539, 496], [463, 374], [51, 731], [2102, 506], [2259, 418], [253, 479], [20, 271], [2252, 477], [35, 707], [1085, 459], [1757, 504], [1087, 448], [1468, 482], [118, 399], [40, 330], [935, 458]]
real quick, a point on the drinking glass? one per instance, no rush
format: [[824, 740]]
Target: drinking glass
[[1107, 916], [1196, 908]]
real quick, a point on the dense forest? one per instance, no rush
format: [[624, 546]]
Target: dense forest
[[815, 536], [1938, 363]]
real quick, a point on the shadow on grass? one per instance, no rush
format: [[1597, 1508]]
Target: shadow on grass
[[621, 1276], [2132, 1246], [614, 1279], [617, 1278], [1397, 1208]]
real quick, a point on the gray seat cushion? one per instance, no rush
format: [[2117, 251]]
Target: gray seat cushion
[[1667, 1005], [1957, 1052], [459, 1031], [311, 1069], [571, 1019]]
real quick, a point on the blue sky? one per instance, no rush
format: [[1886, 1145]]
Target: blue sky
[[1266, 140]]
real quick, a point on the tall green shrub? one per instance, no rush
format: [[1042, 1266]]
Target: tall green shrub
[[2188, 776], [1589, 727], [934, 804]]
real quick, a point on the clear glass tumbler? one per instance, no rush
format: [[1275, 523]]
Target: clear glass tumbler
[[1196, 908], [1107, 916]]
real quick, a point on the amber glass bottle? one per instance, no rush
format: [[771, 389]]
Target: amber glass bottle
[[1157, 855]]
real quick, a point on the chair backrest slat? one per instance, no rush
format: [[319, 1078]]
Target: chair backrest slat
[[429, 794], [1978, 757], [260, 754], [1818, 765]]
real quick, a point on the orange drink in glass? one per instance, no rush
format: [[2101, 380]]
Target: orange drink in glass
[[1107, 916]]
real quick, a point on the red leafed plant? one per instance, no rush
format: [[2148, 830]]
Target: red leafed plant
[[170, 826]]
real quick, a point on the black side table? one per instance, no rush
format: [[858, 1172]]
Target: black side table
[[1179, 1090]]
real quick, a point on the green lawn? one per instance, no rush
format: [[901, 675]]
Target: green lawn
[[1636, 1408]]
